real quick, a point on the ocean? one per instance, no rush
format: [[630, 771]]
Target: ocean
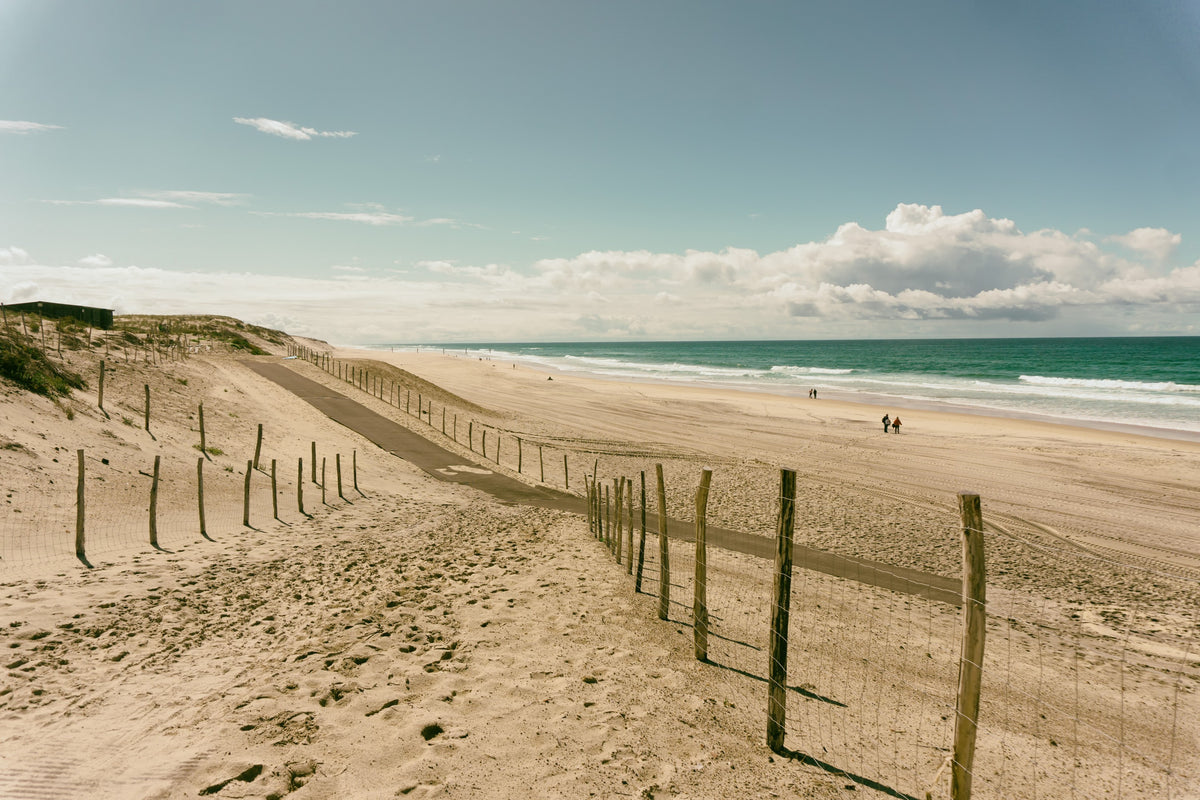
[[1149, 382]]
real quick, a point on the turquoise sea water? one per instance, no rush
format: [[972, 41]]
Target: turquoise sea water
[[1153, 382]]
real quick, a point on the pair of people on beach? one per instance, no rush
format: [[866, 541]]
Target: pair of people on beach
[[895, 423]]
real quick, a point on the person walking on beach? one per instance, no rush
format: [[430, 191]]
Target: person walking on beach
[[896, 425], [886, 421]]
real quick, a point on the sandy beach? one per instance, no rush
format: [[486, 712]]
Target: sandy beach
[[421, 639]]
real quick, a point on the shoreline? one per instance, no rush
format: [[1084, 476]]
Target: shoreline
[[874, 400]]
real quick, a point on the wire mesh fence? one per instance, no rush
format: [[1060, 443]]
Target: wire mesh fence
[[1076, 698]]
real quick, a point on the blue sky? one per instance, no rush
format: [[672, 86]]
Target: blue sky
[[491, 171]]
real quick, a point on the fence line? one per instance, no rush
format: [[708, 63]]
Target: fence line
[[896, 691]]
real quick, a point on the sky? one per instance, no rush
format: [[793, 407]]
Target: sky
[[489, 171]]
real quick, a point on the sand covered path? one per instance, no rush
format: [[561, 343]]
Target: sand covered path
[[445, 465]]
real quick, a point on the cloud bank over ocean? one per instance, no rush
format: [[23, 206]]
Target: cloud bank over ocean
[[922, 273]]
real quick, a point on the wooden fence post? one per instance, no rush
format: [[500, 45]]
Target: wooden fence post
[[147, 408], [79, 511], [154, 505], [354, 469], [300, 485], [700, 584], [541, 466], [100, 396], [607, 518], [664, 552], [246, 495], [520, 454], [566, 474], [629, 517], [314, 462], [455, 429], [337, 461], [323, 481], [471, 436], [781, 612], [587, 490], [258, 446], [443, 420], [970, 670], [274, 492], [619, 497], [203, 445], [641, 557], [200, 493]]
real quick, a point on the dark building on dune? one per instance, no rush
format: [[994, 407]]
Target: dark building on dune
[[96, 317]]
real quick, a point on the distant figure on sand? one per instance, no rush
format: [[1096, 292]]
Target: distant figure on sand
[[886, 421], [812, 393], [896, 425]]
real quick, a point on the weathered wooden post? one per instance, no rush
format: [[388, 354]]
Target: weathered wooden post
[[203, 445], [300, 485], [471, 436], [246, 495], [454, 429], [323, 481], [274, 492], [337, 461], [629, 517], [485, 443], [520, 454], [607, 518], [781, 613], [587, 491], [970, 670], [566, 474], [664, 552], [641, 557], [314, 462], [100, 394], [354, 469], [154, 504], [541, 466], [443, 420], [79, 512], [200, 493], [258, 446], [700, 584], [147, 408], [619, 497]]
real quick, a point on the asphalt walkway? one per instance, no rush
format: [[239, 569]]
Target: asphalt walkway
[[447, 466]]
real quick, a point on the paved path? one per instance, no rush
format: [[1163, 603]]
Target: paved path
[[447, 466]]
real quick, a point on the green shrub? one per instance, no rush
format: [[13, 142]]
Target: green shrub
[[28, 367]]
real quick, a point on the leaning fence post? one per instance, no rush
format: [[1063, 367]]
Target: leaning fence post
[[274, 492], [100, 396], [200, 492], [629, 508], [258, 446], [154, 505], [664, 552], [354, 469], [541, 466], [147, 408], [970, 669], [520, 453], [300, 485], [246, 495], [618, 497], [566, 474], [637, 586], [337, 460], [203, 446], [781, 612], [700, 584], [314, 462], [323, 481], [79, 515]]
